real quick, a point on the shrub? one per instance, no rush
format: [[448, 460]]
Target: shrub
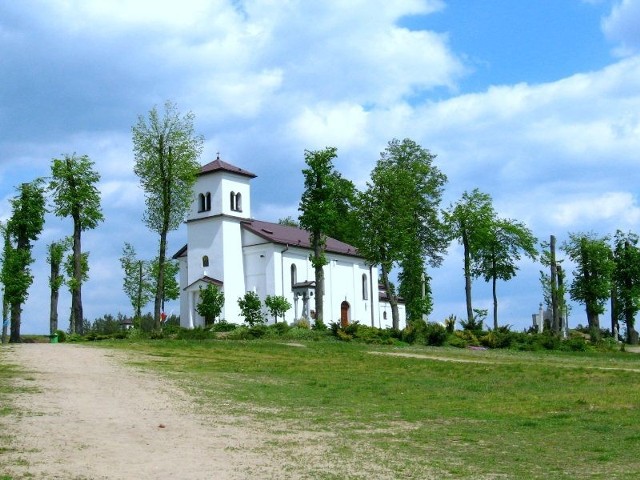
[[435, 334], [197, 333], [463, 339], [223, 326], [295, 333], [415, 332], [319, 325], [251, 308], [279, 329], [62, 336], [500, 338], [302, 323]]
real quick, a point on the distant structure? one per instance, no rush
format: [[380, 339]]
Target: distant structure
[[227, 248], [543, 320]]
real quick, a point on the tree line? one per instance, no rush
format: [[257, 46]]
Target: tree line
[[166, 152], [397, 222]]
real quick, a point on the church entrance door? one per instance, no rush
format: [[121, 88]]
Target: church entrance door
[[344, 314]]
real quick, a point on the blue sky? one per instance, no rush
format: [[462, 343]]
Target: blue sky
[[535, 103]]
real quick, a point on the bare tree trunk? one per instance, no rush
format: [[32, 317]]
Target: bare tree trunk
[[138, 309], [16, 311], [319, 275], [76, 292], [393, 299], [495, 304], [5, 320], [157, 306], [467, 275], [555, 323], [55, 293]]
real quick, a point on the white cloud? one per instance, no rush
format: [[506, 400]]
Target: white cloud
[[621, 26], [597, 210]]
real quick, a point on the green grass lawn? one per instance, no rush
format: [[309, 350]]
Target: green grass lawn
[[334, 410], [491, 414]]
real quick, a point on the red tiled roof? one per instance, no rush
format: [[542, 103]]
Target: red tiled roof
[[220, 165], [294, 237]]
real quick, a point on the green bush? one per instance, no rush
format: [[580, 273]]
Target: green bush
[[435, 334], [223, 326], [415, 332], [278, 329], [197, 333], [302, 323], [62, 336], [295, 333], [319, 325], [463, 339]]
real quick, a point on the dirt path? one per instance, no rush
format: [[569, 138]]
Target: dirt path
[[96, 418]]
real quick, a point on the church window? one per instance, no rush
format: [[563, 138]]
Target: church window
[[238, 202], [204, 202], [232, 198], [365, 287], [294, 275], [205, 261]]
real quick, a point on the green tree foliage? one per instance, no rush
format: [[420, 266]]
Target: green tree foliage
[[166, 153], [23, 228], [75, 194], [400, 222], [277, 306], [137, 284], [591, 284], [251, 308], [289, 221], [497, 258], [211, 303], [470, 221], [626, 281], [324, 200], [55, 256]]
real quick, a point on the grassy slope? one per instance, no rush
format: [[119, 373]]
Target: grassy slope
[[515, 415]]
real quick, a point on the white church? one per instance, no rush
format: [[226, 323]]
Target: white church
[[228, 248]]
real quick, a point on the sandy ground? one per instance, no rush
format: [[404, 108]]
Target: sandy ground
[[96, 418]]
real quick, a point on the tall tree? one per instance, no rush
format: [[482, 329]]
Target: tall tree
[[497, 259], [324, 192], [6, 248], [24, 227], [626, 281], [404, 195], [470, 221], [55, 255], [166, 153], [76, 195], [592, 276], [137, 279]]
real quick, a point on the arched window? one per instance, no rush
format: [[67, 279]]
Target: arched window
[[207, 201], [201, 203], [294, 275], [232, 199], [205, 261], [238, 202], [365, 287]]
